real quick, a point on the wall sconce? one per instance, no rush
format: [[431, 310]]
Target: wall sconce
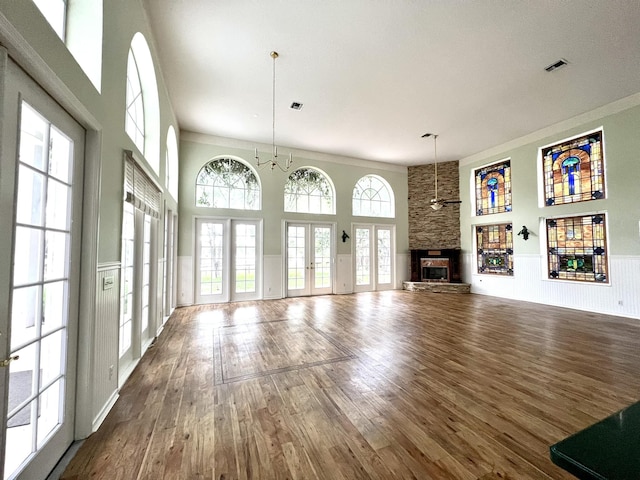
[[345, 236], [524, 232]]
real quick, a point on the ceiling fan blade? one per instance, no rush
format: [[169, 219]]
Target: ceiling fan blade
[[452, 201]]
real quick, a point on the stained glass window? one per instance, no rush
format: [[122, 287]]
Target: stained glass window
[[495, 249], [577, 248], [574, 170], [493, 188]]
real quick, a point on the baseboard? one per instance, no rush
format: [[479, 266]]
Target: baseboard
[[97, 421]]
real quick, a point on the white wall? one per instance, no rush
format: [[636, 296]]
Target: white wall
[[621, 125]]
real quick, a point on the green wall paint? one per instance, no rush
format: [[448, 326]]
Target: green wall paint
[[194, 154]]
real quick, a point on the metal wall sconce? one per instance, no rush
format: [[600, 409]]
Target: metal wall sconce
[[345, 236], [524, 232]]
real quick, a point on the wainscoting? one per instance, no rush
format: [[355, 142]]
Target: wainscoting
[[529, 283], [105, 373]]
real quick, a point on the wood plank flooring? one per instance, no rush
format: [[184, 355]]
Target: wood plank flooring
[[368, 386]]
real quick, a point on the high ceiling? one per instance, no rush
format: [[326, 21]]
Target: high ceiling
[[374, 75]]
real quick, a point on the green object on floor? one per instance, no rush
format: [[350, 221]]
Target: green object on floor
[[607, 450]]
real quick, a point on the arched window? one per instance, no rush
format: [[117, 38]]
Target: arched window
[[309, 190], [373, 197], [134, 123], [227, 183], [142, 120], [171, 167]]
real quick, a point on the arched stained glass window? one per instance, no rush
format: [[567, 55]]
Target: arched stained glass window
[[493, 188], [373, 197], [309, 190], [495, 249], [574, 170], [577, 248], [134, 123], [227, 183]]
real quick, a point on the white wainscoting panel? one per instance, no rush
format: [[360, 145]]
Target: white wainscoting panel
[[529, 283], [344, 274], [185, 281], [403, 269], [272, 279], [105, 357]]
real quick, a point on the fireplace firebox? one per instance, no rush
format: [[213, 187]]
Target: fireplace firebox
[[434, 270], [436, 265]]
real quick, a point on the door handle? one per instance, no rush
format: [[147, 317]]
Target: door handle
[[7, 361]]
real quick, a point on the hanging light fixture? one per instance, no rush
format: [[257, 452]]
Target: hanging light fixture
[[273, 162], [436, 203]]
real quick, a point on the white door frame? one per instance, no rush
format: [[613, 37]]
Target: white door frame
[[309, 289]]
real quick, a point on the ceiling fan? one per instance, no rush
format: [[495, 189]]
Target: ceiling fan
[[436, 202]]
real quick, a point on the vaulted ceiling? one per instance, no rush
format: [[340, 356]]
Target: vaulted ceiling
[[374, 75]]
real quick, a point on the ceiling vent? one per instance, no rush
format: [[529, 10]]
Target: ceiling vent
[[296, 106], [554, 66]]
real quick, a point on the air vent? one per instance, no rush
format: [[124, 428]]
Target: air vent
[[554, 66], [296, 106]]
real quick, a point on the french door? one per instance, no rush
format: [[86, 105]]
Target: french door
[[228, 259], [309, 260], [374, 248], [42, 174], [137, 327]]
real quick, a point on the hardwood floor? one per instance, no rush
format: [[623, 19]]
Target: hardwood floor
[[367, 386]]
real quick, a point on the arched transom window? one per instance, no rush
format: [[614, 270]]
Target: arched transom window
[[373, 197], [227, 183], [309, 191], [134, 123]]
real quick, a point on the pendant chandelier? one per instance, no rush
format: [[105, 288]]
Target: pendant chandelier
[[274, 162]]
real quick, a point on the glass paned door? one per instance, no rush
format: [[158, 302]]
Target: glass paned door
[[228, 260], [309, 259], [42, 323], [374, 257]]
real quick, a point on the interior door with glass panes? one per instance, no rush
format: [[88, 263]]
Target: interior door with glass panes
[[374, 248], [309, 259], [228, 259], [42, 172]]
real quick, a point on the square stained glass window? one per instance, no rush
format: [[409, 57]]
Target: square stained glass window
[[495, 249], [573, 171], [493, 188], [577, 248]]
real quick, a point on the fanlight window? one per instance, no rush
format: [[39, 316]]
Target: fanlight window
[[309, 191], [134, 122], [574, 170], [227, 183], [495, 249], [373, 197], [577, 248], [493, 188]]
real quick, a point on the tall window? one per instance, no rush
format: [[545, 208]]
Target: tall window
[[134, 123], [373, 197], [171, 166], [493, 188], [495, 249], [309, 191], [573, 171], [227, 183], [142, 118], [577, 248]]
